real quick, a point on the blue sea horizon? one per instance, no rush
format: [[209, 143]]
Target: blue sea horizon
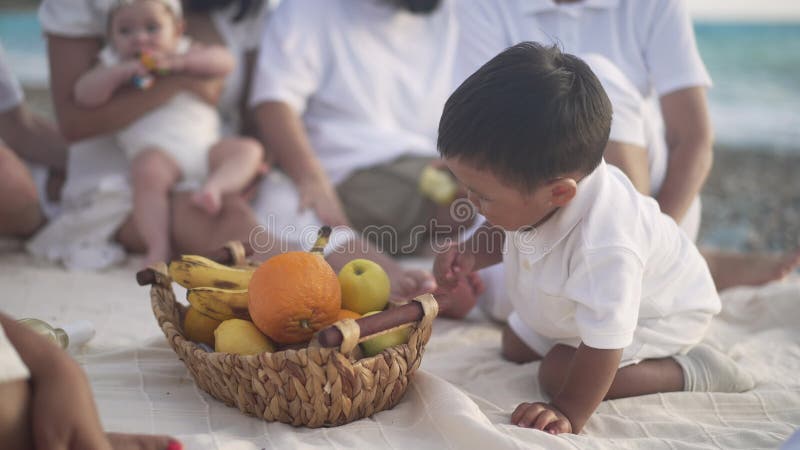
[[754, 103]]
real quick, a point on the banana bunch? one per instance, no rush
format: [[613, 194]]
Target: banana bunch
[[214, 290], [193, 271]]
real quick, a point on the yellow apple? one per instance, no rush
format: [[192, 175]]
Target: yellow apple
[[365, 286], [241, 337], [375, 345]]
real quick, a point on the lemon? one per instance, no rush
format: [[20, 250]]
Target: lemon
[[241, 337]]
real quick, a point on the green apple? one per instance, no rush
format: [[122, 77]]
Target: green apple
[[378, 344], [438, 185], [365, 286]]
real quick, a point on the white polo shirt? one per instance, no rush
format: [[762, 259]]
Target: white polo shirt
[[604, 264], [651, 42], [369, 79]]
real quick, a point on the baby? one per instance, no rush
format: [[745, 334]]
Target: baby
[[179, 140], [607, 291]]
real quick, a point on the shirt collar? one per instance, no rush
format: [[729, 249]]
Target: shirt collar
[[541, 240], [538, 6]]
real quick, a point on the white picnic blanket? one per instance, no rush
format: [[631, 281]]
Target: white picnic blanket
[[461, 398]]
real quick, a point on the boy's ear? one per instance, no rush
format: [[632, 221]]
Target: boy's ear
[[562, 190]]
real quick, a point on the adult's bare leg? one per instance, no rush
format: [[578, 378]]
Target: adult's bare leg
[[20, 212], [195, 232], [731, 269]]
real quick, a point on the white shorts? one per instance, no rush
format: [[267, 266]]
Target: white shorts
[[654, 338], [185, 129]]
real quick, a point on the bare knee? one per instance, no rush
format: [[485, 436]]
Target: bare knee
[[154, 170], [251, 148], [195, 231], [554, 368], [515, 350], [16, 179], [20, 212], [15, 426]]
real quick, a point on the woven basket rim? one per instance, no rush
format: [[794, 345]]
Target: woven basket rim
[[197, 351]]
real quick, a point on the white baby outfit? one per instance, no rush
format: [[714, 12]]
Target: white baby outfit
[[185, 128]]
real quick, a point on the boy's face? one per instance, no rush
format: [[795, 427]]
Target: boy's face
[[144, 26], [508, 207]]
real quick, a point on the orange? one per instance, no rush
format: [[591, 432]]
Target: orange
[[347, 314], [293, 295]]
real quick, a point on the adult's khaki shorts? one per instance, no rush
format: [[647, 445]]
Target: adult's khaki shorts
[[384, 203]]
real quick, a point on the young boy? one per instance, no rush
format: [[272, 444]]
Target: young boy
[[179, 140], [607, 291]]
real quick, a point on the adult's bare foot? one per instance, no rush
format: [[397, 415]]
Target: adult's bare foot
[[123, 441], [457, 303], [731, 269]]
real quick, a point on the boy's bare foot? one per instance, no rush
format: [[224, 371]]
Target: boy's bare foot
[[210, 200], [457, 303], [731, 269], [411, 283], [122, 441]]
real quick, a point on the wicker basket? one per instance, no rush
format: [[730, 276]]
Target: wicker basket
[[312, 386]]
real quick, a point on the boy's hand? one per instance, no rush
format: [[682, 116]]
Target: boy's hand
[[541, 416], [451, 265]]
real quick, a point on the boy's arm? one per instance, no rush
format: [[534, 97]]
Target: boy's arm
[[483, 249], [588, 380], [204, 60], [485, 245], [95, 87]]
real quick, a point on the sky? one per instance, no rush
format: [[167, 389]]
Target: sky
[[782, 10]]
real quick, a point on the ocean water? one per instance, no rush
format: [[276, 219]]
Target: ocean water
[[755, 101]]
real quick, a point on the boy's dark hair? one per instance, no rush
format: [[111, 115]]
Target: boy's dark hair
[[532, 113]]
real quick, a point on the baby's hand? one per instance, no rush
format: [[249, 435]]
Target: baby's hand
[[541, 416], [450, 265]]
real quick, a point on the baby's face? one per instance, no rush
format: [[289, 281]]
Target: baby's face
[[141, 26], [504, 206]]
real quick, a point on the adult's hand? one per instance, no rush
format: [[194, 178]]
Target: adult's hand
[[320, 196]]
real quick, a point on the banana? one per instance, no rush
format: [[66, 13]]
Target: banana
[[220, 304], [196, 271]]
